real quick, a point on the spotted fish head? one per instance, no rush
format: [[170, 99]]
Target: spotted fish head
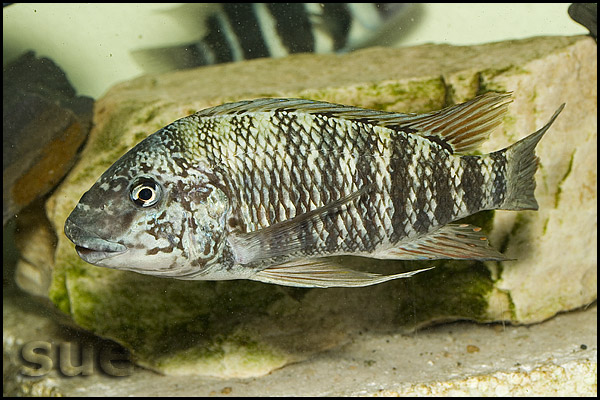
[[152, 212]]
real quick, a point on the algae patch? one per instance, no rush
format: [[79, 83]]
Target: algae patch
[[461, 290], [408, 96], [563, 179], [521, 222], [164, 320], [235, 355]]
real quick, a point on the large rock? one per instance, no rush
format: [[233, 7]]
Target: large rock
[[243, 328], [44, 123]]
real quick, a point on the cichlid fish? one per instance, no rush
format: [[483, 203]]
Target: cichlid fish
[[271, 189]]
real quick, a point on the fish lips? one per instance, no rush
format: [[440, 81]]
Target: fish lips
[[91, 247]]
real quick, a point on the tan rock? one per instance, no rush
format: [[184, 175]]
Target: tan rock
[[241, 328], [34, 268]]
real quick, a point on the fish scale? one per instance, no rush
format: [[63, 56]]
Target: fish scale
[[360, 231], [271, 189]]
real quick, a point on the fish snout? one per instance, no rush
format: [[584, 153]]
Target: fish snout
[[89, 246]]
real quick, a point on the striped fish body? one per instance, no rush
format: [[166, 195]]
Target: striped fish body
[[250, 30], [243, 31], [270, 189], [281, 164]]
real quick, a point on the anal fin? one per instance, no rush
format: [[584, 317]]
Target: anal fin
[[453, 241], [323, 273]]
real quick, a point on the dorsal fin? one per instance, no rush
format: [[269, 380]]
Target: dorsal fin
[[462, 127], [374, 117]]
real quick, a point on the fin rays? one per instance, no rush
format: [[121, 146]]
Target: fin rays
[[463, 126], [453, 241], [323, 273], [467, 125]]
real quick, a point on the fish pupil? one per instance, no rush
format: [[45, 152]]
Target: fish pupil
[[146, 194]]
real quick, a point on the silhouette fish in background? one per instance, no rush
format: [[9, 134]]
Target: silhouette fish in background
[[586, 14], [243, 31]]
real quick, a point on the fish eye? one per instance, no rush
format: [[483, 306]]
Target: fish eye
[[145, 192]]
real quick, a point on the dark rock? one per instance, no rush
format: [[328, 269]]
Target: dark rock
[[44, 124]]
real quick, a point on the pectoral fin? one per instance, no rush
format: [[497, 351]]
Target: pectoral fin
[[286, 237], [453, 241], [322, 273]]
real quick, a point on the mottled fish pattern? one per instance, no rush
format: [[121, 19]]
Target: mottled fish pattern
[[271, 189]]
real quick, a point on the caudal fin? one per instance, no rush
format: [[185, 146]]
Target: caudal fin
[[521, 164]]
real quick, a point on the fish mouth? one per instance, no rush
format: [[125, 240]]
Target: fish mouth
[[91, 247]]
